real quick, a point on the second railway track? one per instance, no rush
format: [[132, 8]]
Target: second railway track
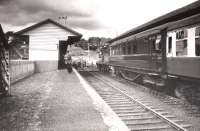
[[135, 114]]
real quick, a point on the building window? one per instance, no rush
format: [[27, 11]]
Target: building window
[[169, 44], [181, 42]]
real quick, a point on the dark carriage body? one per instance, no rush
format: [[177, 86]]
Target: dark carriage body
[[166, 47]]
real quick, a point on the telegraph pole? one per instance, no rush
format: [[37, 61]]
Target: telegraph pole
[[63, 19]]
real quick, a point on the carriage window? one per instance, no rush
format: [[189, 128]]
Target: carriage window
[[181, 42], [197, 46], [197, 31], [119, 49], [197, 41], [115, 50], [123, 50], [111, 51], [129, 48], [134, 49], [157, 45], [181, 34], [181, 48], [169, 44]]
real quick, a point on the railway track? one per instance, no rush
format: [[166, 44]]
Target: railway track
[[192, 110], [136, 114]]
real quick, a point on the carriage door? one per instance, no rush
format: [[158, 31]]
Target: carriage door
[[158, 52]]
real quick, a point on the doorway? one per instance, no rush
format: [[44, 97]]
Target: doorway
[[62, 50]]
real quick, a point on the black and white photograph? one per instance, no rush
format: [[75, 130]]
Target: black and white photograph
[[99, 65]]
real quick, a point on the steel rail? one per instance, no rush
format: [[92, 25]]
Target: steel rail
[[173, 124]]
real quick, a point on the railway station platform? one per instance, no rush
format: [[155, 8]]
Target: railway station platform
[[56, 101]]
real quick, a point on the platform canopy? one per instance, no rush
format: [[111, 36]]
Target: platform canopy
[[72, 39]]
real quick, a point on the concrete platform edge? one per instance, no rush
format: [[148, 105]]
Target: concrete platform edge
[[111, 119]]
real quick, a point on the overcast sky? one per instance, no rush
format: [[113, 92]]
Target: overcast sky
[[107, 18]]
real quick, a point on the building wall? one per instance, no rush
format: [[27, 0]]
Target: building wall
[[44, 40]]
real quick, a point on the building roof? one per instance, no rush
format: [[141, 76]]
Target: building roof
[[184, 12], [44, 22]]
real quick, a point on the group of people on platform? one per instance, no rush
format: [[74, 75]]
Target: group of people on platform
[[69, 63]]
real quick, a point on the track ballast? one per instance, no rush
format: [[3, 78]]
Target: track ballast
[[137, 115]]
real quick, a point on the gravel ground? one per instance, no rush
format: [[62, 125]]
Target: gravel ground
[[18, 110], [51, 101]]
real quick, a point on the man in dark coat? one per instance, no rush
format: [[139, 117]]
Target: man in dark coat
[[68, 61]]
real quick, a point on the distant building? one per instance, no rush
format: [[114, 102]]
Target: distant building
[[83, 44], [47, 43], [94, 42]]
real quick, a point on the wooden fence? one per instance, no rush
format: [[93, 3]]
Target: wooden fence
[[20, 69]]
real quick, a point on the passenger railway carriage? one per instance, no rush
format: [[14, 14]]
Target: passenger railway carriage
[[164, 49]]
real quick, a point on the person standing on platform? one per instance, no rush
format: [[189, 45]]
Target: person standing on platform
[[68, 61]]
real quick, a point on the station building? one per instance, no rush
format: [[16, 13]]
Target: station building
[[47, 42]]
